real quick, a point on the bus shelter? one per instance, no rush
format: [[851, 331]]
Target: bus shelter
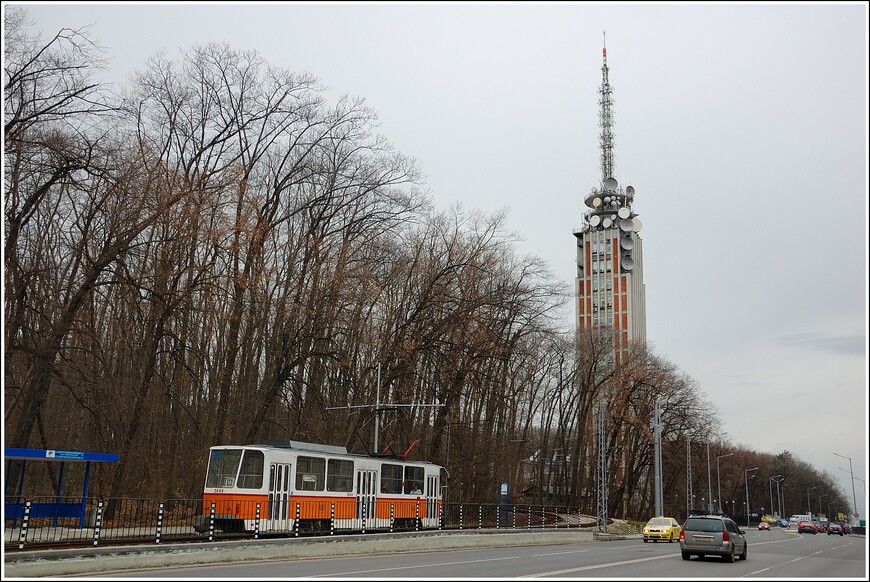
[[14, 506]]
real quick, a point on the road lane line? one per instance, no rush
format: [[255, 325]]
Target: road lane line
[[608, 565], [560, 553], [411, 567]]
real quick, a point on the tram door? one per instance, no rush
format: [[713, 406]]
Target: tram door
[[431, 500], [279, 489], [366, 481]]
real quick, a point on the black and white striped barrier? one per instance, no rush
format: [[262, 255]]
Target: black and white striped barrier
[[98, 523], [211, 523], [159, 522], [22, 535]]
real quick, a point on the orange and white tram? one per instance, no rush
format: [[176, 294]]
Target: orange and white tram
[[323, 486]]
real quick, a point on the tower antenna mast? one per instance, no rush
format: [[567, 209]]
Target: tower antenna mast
[[605, 118]]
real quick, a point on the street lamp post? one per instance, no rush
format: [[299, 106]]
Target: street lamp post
[[779, 495], [718, 482], [746, 482], [851, 474], [820, 504], [863, 483], [709, 483], [770, 490], [809, 507]]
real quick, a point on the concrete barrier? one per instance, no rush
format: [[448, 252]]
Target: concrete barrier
[[119, 559]]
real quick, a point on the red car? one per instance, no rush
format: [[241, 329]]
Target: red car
[[763, 525], [835, 528], [807, 526]]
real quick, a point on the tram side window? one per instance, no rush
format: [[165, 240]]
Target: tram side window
[[222, 468], [391, 478], [339, 475], [310, 473], [251, 473], [414, 479]]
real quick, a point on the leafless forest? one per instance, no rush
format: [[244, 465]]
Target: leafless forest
[[216, 254]]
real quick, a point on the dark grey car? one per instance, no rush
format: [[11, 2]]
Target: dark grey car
[[712, 535]]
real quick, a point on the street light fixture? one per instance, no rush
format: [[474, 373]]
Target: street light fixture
[[854, 501], [770, 490], [809, 507], [718, 482], [746, 482], [863, 484], [820, 505]]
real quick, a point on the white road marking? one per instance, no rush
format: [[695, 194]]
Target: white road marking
[[608, 565]]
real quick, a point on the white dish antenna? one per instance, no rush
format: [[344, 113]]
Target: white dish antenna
[[626, 243], [636, 224], [624, 212], [596, 202], [595, 220], [629, 190], [625, 224], [607, 223], [611, 183]]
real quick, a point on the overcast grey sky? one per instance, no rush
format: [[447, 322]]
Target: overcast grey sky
[[743, 128]]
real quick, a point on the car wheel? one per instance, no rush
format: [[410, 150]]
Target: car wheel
[[686, 555], [670, 538], [645, 541], [743, 555], [729, 557]]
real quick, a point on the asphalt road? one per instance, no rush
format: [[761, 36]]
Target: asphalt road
[[774, 554]]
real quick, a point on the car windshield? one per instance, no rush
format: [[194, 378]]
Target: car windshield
[[704, 525], [659, 522]]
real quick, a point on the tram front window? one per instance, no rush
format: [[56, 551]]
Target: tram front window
[[223, 465]]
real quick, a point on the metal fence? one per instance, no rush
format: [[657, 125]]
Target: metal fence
[[73, 521]]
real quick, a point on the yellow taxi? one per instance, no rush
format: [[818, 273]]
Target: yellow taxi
[[661, 528]]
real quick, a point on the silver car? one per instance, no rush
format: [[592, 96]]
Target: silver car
[[712, 535]]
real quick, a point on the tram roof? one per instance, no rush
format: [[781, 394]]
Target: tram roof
[[323, 449]]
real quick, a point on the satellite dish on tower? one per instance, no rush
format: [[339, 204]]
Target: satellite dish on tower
[[607, 222], [636, 224], [625, 224], [624, 212], [595, 220], [611, 183], [629, 190], [626, 243], [627, 263], [596, 202]]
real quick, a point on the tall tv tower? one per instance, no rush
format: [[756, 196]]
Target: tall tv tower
[[609, 284]]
